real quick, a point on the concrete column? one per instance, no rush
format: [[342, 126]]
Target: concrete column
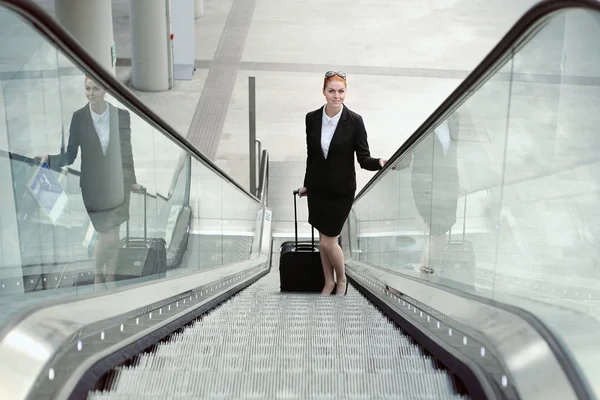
[[149, 45], [183, 29], [90, 22], [199, 9]]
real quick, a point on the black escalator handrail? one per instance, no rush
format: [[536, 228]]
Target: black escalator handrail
[[63, 40], [30, 161], [494, 58], [34, 162]]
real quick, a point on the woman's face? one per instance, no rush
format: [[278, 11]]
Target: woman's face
[[93, 92], [335, 93]]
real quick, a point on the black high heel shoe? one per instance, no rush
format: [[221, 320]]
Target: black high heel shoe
[[333, 289], [346, 291]]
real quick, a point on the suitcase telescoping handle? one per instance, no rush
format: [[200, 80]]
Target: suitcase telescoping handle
[[142, 191], [312, 229]]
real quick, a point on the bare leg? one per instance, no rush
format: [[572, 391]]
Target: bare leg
[[327, 268], [437, 246], [111, 261], [425, 256], [431, 257], [335, 254], [425, 253], [106, 254], [101, 255]]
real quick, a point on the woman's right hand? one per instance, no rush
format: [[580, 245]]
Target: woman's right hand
[[43, 159], [302, 191]]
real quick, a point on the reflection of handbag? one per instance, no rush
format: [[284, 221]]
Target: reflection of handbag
[[69, 181], [46, 189]]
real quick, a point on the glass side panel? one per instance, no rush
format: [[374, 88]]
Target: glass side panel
[[92, 196], [406, 220], [501, 199]]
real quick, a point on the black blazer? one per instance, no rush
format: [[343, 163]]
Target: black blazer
[[432, 169], [336, 174], [105, 178], [435, 181]]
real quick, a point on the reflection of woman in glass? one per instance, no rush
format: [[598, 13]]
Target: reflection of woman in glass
[[103, 134], [435, 187], [333, 135]]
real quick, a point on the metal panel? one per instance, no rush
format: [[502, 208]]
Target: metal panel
[[536, 371], [34, 344]]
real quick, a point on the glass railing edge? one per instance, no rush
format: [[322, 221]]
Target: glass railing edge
[[49, 27], [573, 376], [156, 294], [173, 288], [74, 172], [484, 69]]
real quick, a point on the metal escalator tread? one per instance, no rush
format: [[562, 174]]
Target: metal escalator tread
[[262, 344]]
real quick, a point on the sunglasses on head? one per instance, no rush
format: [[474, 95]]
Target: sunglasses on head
[[341, 74]]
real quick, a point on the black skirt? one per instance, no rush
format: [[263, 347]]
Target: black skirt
[[106, 220], [439, 213], [327, 212]]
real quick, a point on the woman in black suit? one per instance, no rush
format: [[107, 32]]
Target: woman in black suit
[[436, 187], [103, 133], [333, 135]]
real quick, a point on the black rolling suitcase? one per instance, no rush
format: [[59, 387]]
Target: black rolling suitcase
[[139, 257], [300, 268]]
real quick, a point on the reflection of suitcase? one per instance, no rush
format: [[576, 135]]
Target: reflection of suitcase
[[140, 257], [458, 257], [300, 268]]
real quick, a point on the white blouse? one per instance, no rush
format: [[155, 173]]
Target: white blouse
[[328, 129], [443, 134], [102, 125]]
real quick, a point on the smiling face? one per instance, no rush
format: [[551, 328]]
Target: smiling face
[[94, 93], [335, 92]]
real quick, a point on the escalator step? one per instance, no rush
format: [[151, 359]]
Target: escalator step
[[262, 344], [267, 363]]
